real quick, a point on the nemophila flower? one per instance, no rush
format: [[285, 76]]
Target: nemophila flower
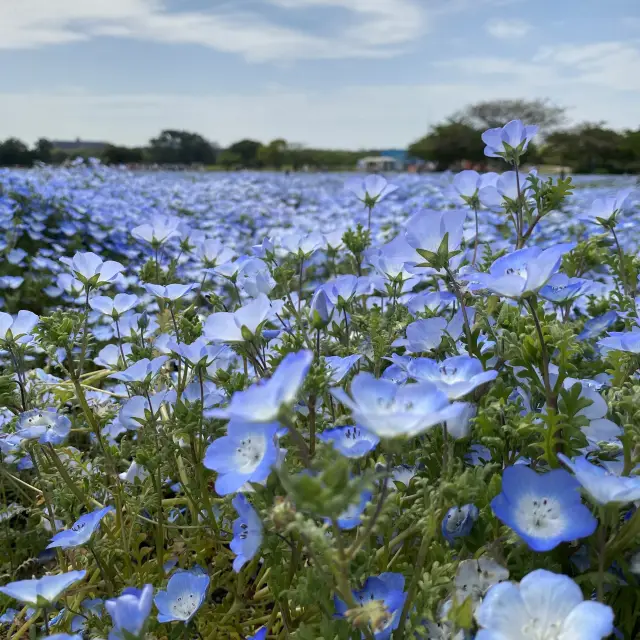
[[433, 301], [64, 636], [243, 323], [543, 509], [247, 532], [261, 634], [110, 357], [544, 606], [604, 210], [133, 473], [170, 292], [263, 401], [458, 522], [522, 272], [561, 288], [456, 376], [45, 425], [18, 328], [370, 190], [213, 252], [339, 367], [475, 577], [81, 531], [186, 591], [43, 591], [459, 426], [390, 411], [426, 229], [425, 335], [350, 518], [302, 243], [379, 603], [115, 306], [137, 409], [141, 371], [129, 613], [321, 309], [508, 142], [91, 270], [621, 341], [396, 374], [342, 289], [199, 352], [254, 277], [504, 190], [605, 487], [350, 441], [595, 326], [246, 454], [159, 230]]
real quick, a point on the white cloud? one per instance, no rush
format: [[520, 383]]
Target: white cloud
[[377, 28], [504, 29]]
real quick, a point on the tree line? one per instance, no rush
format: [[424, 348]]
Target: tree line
[[583, 148], [184, 148]]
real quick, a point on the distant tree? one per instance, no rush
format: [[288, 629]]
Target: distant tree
[[229, 159], [248, 152], [43, 150], [449, 143], [181, 147], [496, 113], [114, 154], [15, 153], [274, 154]]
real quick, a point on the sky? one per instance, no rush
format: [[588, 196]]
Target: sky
[[326, 73]]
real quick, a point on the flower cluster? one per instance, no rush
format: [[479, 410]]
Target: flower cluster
[[250, 407]]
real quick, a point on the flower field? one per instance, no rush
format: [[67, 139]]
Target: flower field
[[268, 406]]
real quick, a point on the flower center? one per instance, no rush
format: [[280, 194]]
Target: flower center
[[250, 451], [184, 605], [520, 271], [540, 516], [78, 526], [536, 629]]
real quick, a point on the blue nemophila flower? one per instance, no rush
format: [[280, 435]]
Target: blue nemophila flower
[[520, 273], [110, 356], [246, 454], [18, 328], [159, 230], [199, 352], [263, 401], [456, 376], [424, 335], [603, 486], [603, 210], [339, 367], [370, 190], [543, 509], [321, 309], [247, 532], [43, 591], [141, 371], [381, 600], [91, 270], [561, 288], [595, 326], [260, 634], [350, 518], [81, 531], [350, 441], [171, 292], [129, 613], [213, 252], [544, 606], [458, 522], [114, 307], [426, 230], [242, 324], [510, 141], [45, 425], [64, 636], [391, 411], [621, 341], [185, 594]]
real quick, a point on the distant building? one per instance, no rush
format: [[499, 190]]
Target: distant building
[[372, 164], [78, 144]]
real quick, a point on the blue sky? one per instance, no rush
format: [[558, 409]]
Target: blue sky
[[329, 73]]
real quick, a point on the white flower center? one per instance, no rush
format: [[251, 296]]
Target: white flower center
[[536, 629], [250, 451], [540, 516], [184, 605]]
